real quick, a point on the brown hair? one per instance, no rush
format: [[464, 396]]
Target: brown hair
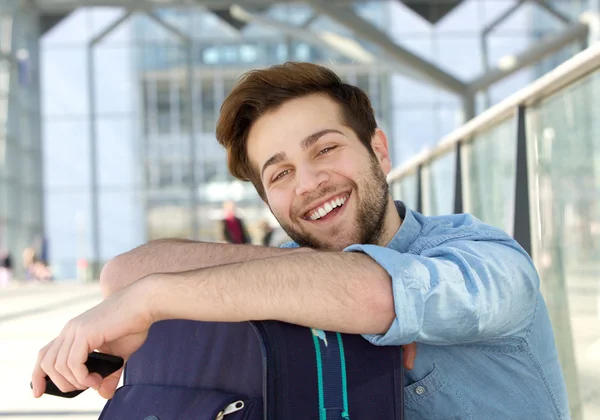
[[260, 91]]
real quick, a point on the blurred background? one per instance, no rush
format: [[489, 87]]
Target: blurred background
[[108, 110]]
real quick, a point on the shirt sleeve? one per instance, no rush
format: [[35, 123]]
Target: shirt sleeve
[[459, 292]]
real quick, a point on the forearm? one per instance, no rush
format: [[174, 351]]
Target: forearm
[[345, 292], [177, 255]]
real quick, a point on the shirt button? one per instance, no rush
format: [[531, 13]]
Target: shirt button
[[420, 390]]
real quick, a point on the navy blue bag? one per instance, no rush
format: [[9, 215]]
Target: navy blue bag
[[257, 371]]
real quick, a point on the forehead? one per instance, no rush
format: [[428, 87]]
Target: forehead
[[284, 128]]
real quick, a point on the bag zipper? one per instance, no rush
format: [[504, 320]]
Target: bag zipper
[[231, 408], [271, 380]]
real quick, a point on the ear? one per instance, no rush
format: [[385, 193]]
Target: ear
[[379, 143]]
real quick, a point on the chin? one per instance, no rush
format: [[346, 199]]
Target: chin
[[338, 244]]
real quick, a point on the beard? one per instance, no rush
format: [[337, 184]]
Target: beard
[[370, 197]]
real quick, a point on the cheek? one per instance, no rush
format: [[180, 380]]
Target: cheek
[[348, 168], [280, 203]]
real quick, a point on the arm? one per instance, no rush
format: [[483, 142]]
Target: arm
[[459, 292], [337, 291], [176, 255], [346, 292]]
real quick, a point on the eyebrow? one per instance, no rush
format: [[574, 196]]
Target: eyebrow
[[306, 144], [312, 139]]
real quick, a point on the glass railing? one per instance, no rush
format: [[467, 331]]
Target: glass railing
[[531, 165]]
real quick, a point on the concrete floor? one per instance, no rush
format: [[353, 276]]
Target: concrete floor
[[31, 316]]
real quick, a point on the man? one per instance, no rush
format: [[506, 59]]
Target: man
[[464, 291], [233, 229]]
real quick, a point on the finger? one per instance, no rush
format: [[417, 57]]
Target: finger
[[49, 363], [77, 358], [409, 355], [109, 384], [38, 377], [62, 362]]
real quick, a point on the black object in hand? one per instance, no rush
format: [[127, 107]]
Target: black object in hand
[[101, 363]]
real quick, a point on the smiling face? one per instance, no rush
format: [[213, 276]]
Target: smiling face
[[324, 187]]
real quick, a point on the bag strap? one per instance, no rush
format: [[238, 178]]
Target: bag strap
[[331, 375]]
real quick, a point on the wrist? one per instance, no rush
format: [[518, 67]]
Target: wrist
[[150, 292]]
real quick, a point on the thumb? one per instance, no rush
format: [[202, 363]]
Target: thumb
[[109, 385]]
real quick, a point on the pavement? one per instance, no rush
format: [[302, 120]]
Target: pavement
[[31, 316]]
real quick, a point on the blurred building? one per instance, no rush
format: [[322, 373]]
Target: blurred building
[[21, 190], [129, 152]]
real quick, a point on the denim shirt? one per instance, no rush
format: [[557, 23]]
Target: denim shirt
[[469, 295]]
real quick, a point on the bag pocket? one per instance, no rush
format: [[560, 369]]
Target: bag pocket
[[161, 402]]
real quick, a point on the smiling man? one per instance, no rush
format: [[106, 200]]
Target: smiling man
[[360, 263]]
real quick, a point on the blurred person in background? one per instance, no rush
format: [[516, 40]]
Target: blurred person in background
[[266, 232], [466, 292], [35, 269], [5, 267], [233, 229]]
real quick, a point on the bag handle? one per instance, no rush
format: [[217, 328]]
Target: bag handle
[[331, 375]]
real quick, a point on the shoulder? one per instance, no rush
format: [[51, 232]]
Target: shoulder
[[438, 230]]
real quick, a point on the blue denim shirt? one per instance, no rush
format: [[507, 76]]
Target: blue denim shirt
[[469, 295]]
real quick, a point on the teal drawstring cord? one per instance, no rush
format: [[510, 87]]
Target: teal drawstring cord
[[322, 412], [345, 413]]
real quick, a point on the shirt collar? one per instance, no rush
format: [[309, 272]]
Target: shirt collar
[[409, 230]]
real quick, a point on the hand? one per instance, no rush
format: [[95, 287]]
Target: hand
[[409, 354], [119, 325]]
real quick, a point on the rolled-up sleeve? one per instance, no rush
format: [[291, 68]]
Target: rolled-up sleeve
[[460, 292]]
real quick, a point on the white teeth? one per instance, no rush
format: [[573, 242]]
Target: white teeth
[[327, 207]]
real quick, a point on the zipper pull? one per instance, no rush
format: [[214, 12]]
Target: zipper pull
[[231, 408]]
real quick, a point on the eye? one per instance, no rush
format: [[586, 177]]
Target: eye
[[327, 150], [281, 175]]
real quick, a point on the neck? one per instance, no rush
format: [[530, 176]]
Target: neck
[[391, 224]]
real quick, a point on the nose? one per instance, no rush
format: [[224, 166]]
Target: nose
[[309, 179]]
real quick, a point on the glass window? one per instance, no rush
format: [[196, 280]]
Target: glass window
[[564, 138], [163, 107], [228, 84], [489, 175], [169, 218], [229, 54], [302, 52], [414, 130], [68, 225], [438, 180], [281, 52], [118, 152], [64, 81], [405, 190], [210, 55], [209, 118], [31, 208], [114, 79], [66, 154], [362, 81], [248, 53], [3, 202], [121, 222]]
